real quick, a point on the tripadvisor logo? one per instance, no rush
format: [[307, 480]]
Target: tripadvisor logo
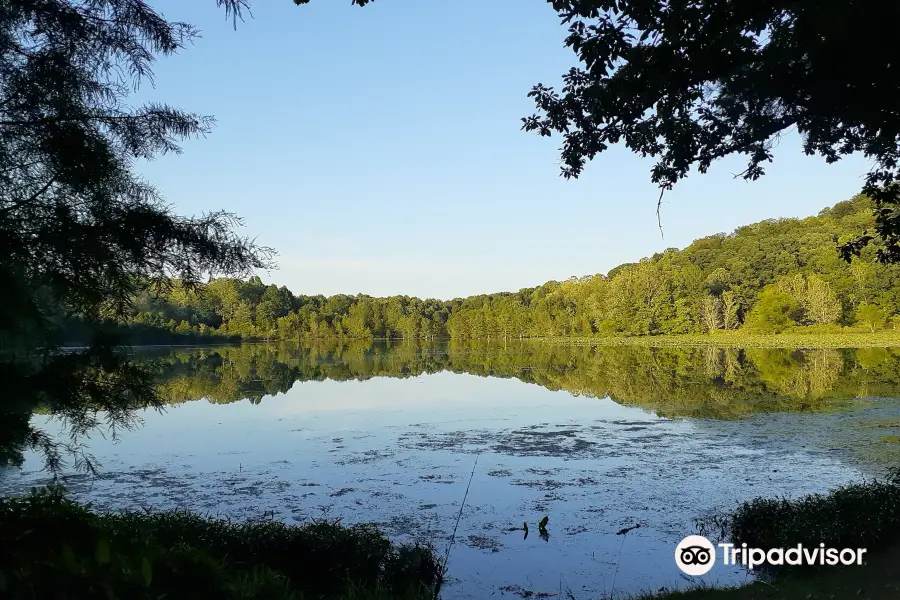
[[695, 555]]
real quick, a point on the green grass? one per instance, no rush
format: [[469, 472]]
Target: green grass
[[737, 339], [52, 547]]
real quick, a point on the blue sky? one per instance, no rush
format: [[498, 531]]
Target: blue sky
[[379, 151]]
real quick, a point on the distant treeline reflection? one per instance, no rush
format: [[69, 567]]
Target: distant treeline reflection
[[673, 382]]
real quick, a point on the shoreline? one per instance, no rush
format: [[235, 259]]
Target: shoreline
[[784, 340], [794, 341]]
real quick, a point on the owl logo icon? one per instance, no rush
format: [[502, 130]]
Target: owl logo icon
[[695, 555]]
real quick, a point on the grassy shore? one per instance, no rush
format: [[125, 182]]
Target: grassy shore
[[737, 339], [52, 547]]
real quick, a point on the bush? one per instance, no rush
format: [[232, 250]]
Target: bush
[[864, 515], [52, 547]]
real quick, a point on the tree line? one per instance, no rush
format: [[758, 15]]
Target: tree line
[[769, 277]]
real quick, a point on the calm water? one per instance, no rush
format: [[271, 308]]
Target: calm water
[[596, 439]]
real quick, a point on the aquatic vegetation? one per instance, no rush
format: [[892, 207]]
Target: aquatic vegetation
[[740, 339]]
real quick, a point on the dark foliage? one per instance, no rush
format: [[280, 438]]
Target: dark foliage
[[51, 547], [863, 515], [691, 82], [80, 233], [77, 388]]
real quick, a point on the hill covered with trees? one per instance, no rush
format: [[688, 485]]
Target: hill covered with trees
[[769, 277]]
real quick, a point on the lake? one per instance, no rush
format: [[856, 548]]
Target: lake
[[597, 439]]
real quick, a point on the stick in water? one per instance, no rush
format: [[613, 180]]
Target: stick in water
[[458, 517]]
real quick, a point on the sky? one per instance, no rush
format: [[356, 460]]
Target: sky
[[379, 151]]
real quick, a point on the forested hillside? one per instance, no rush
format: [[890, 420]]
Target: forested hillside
[[767, 277]]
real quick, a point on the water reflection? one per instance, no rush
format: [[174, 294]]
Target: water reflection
[[392, 433], [672, 382]]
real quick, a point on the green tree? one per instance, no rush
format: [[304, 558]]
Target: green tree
[[821, 302], [871, 317], [711, 313], [224, 295], [274, 303], [774, 311], [412, 326], [863, 273], [252, 290], [668, 293], [818, 300], [81, 234], [360, 317], [290, 327], [242, 320], [718, 281], [730, 307]]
